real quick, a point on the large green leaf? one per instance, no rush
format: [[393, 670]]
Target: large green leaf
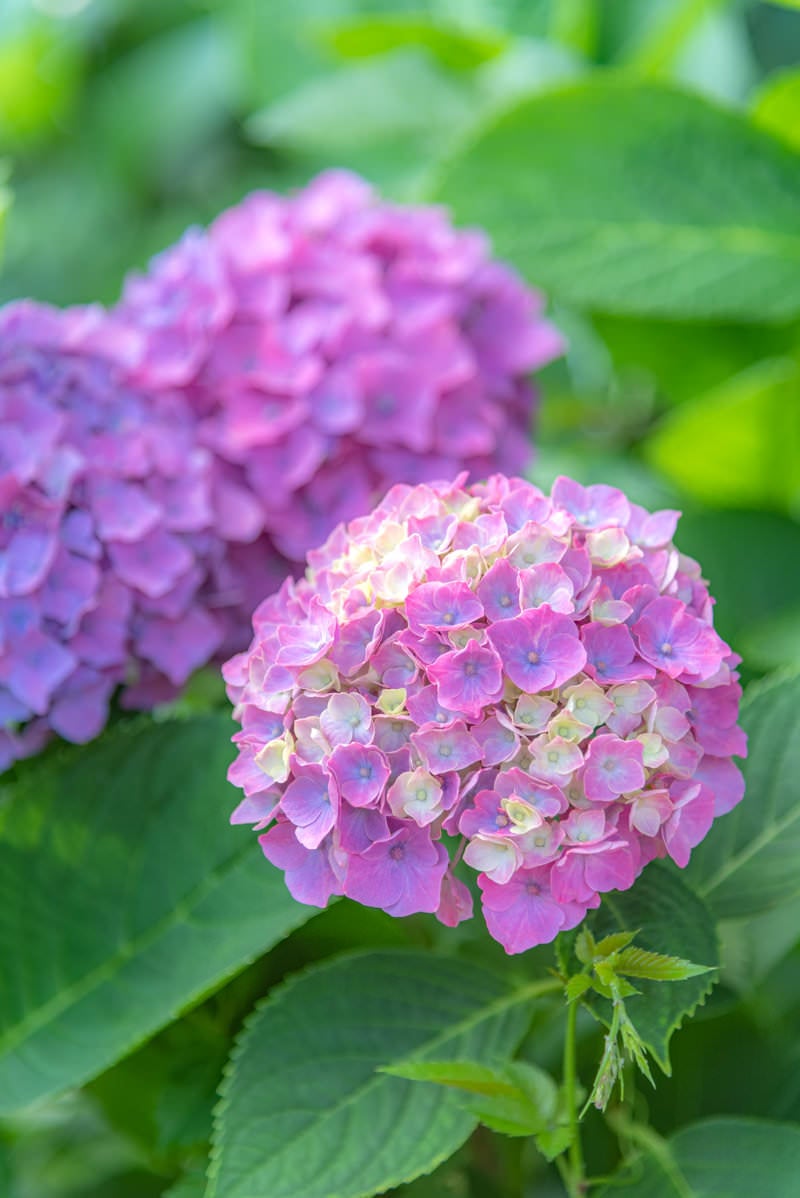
[[633, 197], [123, 898], [718, 1158], [304, 1112], [670, 919], [750, 860], [739, 444]]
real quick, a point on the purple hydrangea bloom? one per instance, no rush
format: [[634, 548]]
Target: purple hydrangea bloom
[[536, 677], [331, 344], [107, 557]]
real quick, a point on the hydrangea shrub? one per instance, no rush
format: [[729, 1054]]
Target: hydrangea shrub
[[106, 537], [528, 684], [330, 345]]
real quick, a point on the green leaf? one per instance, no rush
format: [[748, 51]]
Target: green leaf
[[738, 445], [776, 106], [577, 985], [774, 643], [750, 860], [471, 1076], [751, 948], [532, 1109], [458, 49], [124, 897], [639, 963], [305, 1112], [40, 70], [191, 1185], [718, 1158], [613, 943], [359, 116], [517, 1098], [671, 919], [750, 560], [155, 109], [682, 359], [616, 194]]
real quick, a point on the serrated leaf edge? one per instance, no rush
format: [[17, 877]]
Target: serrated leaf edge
[[513, 996]]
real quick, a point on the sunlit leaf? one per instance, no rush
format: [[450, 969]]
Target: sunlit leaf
[[616, 194]]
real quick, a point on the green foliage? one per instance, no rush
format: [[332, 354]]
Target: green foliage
[[673, 923], [192, 1185], [666, 231], [586, 189], [751, 562], [739, 445], [750, 860], [454, 47], [718, 1158], [656, 967], [39, 79], [304, 1112], [124, 899], [777, 106], [516, 1098]]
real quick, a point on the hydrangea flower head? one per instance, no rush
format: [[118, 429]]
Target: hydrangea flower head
[[331, 345], [106, 506], [487, 679]]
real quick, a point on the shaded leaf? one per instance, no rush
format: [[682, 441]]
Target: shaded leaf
[[718, 1158], [191, 1185], [124, 898], [750, 560], [774, 643], [305, 1112], [750, 860]]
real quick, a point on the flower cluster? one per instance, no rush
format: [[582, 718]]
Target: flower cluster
[[165, 465], [331, 345], [531, 683], [106, 504]]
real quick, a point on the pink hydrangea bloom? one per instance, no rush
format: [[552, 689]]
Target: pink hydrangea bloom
[[107, 506], [532, 680], [330, 345]]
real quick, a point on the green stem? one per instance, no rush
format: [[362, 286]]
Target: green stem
[[575, 1177]]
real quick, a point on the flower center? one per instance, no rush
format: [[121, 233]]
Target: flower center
[[533, 657]]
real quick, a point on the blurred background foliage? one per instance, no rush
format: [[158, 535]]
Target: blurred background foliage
[[124, 121]]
